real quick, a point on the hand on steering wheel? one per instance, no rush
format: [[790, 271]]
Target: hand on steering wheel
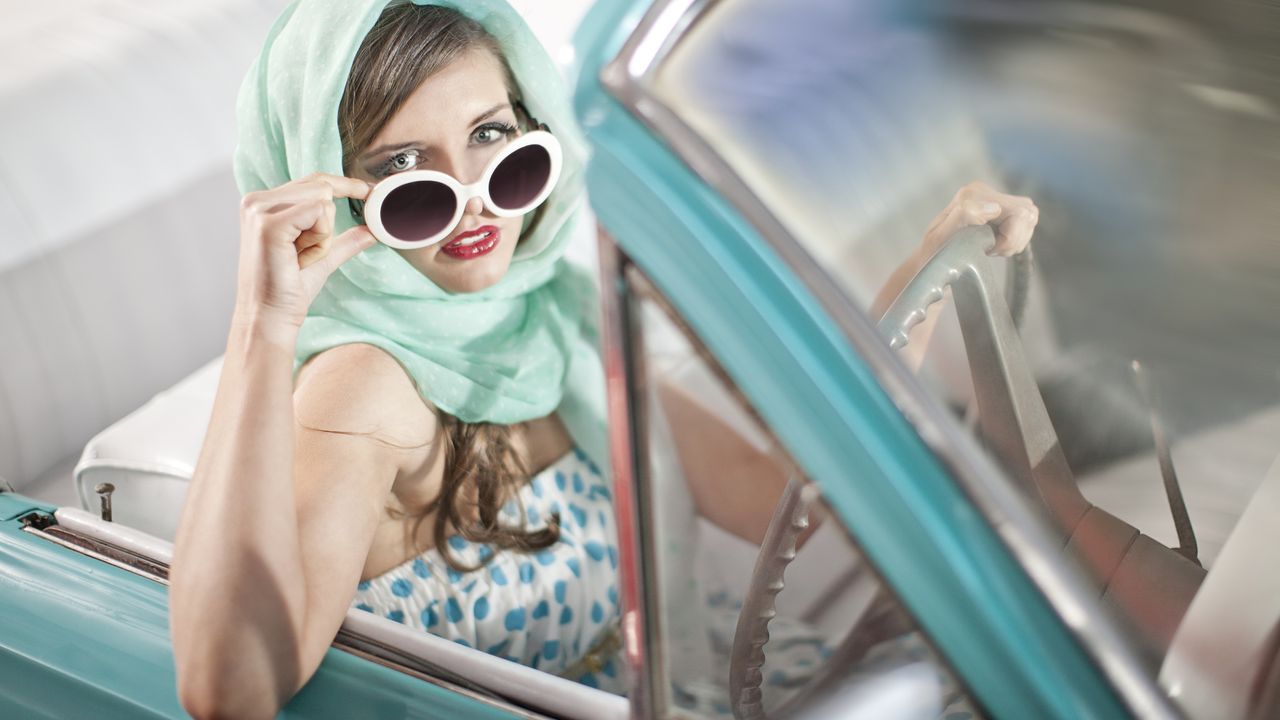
[[1013, 219]]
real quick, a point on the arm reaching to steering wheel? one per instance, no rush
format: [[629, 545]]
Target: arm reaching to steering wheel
[[1013, 217], [737, 485]]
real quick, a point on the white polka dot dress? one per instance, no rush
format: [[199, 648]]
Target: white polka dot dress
[[546, 609]]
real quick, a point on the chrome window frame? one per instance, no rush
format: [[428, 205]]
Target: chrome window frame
[[629, 78]]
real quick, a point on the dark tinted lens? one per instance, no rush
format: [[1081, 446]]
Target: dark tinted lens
[[418, 210], [520, 177]]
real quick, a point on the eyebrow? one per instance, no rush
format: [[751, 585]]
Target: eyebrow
[[391, 147]]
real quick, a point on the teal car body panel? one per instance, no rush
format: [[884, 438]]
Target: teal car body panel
[[793, 363], [82, 638]]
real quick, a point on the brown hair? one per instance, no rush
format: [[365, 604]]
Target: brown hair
[[406, 45]]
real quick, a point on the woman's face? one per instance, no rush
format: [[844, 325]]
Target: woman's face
[[454, 122]]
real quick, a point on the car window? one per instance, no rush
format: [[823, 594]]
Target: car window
[[712, 476], [1122, 372]]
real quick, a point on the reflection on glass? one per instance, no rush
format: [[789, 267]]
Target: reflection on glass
[[714, 476]]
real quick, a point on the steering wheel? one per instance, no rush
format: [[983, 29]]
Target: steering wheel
[[1013, 420]]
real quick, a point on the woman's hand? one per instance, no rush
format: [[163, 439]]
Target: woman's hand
[[287, 250], [1013, 217]]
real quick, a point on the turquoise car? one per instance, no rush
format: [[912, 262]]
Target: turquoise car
[[1070, 510]]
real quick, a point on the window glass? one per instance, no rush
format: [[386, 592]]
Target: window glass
[[1136, 374], [713, 478]]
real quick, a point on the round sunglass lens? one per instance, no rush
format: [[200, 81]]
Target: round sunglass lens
[[418, 210], [520, 177]]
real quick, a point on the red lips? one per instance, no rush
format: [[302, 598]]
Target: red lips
[[465, 246]]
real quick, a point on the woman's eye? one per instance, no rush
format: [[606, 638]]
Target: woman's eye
[[402, 161], [491, 133]]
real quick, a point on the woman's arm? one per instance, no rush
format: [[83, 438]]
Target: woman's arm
[[254, 598]]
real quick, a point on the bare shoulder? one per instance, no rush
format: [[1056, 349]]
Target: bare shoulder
[[360, 389]]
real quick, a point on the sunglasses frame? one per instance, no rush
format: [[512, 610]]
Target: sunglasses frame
[[372, 210]]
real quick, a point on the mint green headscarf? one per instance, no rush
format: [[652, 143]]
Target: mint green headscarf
[[516, 351]]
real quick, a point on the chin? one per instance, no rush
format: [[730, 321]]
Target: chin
[[473, 279]]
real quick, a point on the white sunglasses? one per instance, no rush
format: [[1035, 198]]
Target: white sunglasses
[[418, 208]]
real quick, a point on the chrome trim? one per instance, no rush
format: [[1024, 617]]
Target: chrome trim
[[105, 552], [641, 624], [400, 661], [628, 77]]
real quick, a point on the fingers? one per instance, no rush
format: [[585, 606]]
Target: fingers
[[331, 185], [318, 262], [1014, 230], [1012, 217]]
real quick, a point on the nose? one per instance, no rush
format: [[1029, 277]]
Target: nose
[[461, 170]]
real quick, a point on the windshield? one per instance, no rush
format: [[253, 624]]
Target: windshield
[[1134, 394]]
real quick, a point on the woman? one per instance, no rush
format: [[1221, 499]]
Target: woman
[[435, 456], [431, 383]]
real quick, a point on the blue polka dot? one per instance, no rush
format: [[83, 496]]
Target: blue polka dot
[[597, 613], [365, 607], [429, 616], [579, 514], [599, 491], [590, 680], [613, 556], [545, 558], [526, 573], [453, 610], [550, 649], [515, 619], [454, 575], [560, 480], [574, 566], [499, 648], [566, 615], [362, 585], [467, 590], [613, 594], [462, 642], [401, 588], [721, 708], [578, 485], [420, 569], [536, 486], [396, 615], [594, 550], [577, 452], [457, 542], [481, 608], [560, 588], [509, 507], [534, 516], [609, 669], [499, 577], [604, 520], [484, 552], [541, 610]]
